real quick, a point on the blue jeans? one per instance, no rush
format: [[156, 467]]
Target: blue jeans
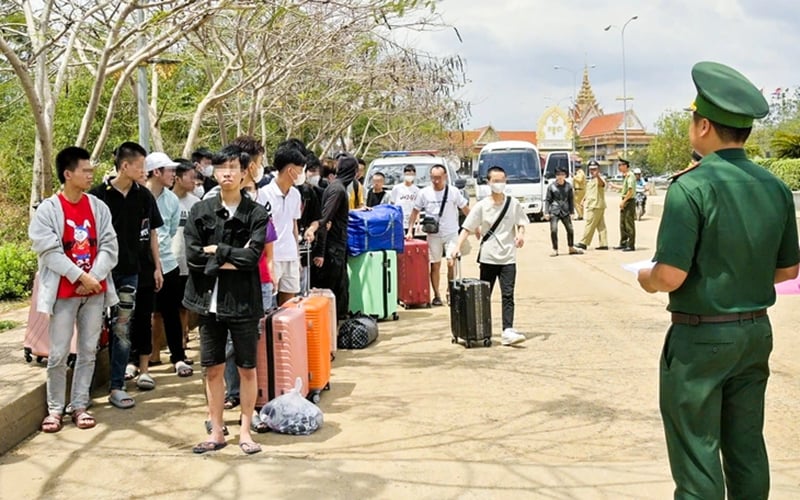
[[119, 345], [231, 372], [87, 314]]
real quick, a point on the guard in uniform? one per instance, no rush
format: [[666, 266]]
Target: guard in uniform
[[579, 187], [727, 235]]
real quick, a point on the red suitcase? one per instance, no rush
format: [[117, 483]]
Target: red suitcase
[[37, 333], [282, 354], [413, 287]]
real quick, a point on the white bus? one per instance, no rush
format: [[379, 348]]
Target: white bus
[[520, 160]]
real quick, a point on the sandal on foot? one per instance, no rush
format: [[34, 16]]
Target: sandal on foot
[[130, 372], [231, 402], [83, 419], [51, 423], [209, 427], [121, 399], [145, 382], [250, 448], [257, 425], [183, 370], [208, 446], [189, 361]]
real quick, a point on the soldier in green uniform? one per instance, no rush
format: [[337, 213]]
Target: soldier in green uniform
[[627, 209], [727, 235]]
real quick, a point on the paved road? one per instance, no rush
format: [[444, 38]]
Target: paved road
[[572, 413]]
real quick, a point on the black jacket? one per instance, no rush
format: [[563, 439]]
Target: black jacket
[[240, 241], [560, 201]]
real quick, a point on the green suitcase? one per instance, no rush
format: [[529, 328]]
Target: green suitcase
[[373, 284]]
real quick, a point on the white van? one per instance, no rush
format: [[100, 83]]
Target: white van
[[520, 160], [554, 161]]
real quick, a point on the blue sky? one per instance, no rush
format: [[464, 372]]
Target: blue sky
[[511, 46]]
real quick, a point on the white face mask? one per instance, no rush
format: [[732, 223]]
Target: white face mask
[[408, 178], [498, 187], [314, 180], [199, 191], [259, 174], [301, 179], [208, 170]]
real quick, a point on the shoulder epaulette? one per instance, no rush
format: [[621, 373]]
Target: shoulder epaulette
[[691, 167]]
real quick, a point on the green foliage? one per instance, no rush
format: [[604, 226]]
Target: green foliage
[[7, 324], [17, 267], [786, 145], [788, 170], [670, 150]]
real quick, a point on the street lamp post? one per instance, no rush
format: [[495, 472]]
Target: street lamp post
[[624, 89]]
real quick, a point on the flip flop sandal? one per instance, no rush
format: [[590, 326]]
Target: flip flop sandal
[[250, 448], [208, 428], [83, 419], [256, 425], [183, 370], [130, 372], [51, 424], [121, 399], [206, 446], [145, 382], [231, 402]]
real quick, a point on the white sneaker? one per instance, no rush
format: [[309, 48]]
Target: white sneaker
[[511, 337]]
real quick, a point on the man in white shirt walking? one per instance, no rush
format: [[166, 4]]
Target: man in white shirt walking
[[497, 254], [441, 202]]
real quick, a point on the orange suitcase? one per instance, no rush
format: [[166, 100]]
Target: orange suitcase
[[282, 354], [318, 321]]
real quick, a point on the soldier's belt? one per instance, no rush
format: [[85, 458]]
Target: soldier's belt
[[695, 319]]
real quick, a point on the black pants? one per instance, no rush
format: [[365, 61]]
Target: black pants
[[508, 277], [333, 276], [567, 221], [141, 325], [168, 303]]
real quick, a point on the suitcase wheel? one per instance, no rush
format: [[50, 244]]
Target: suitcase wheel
[[467, 344], [487, 342], [428, 305], [41, 360], [395, 316], [314, 397], [28, 355], [453, 340]]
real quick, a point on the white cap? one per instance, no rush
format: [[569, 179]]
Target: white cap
[[158, 160], [637, 170]]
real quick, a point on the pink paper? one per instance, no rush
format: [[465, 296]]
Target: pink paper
[[790, 287]]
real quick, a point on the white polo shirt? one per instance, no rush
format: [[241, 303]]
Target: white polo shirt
[[285, 211]]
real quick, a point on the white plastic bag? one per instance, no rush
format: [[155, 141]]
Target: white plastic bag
[[291, 413]]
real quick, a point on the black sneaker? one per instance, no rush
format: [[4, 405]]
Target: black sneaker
[[436, 302], [602, 248], [620, 248], [580, 245], [629, 249]]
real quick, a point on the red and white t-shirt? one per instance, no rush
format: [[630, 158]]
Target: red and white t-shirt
[[79, 240]]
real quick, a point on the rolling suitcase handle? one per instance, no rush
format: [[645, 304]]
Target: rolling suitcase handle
[[305, 248]]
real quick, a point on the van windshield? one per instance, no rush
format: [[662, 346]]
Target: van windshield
[[554, 162], [521, 165]]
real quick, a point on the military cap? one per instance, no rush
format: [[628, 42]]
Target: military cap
[[725, 96], [592, 164]]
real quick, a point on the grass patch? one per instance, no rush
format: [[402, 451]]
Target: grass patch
[[7, 324]]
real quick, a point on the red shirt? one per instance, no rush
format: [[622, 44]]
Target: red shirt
[[79, 240]]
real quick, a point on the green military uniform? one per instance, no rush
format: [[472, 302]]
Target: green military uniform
[[627, 215], [595, 208], [729, 224]]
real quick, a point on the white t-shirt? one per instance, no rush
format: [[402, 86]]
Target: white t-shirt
[[178, 243], [430, 201], [499, 248], [285, 211], [404, 196], [212, 307]]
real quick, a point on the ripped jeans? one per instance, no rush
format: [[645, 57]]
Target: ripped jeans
[[119, 348]]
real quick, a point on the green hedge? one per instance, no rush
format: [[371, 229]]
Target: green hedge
[[17, 267], [787, 169]]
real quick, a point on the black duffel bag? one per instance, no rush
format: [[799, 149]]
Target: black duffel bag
[[357, 333]]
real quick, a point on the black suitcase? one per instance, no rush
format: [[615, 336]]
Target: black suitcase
[[470, 311]]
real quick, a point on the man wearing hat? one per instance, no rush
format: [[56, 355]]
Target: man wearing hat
[[594, 209], [627, 209], [727, 235]]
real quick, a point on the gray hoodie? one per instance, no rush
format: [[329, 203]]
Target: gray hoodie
[[47, 231]]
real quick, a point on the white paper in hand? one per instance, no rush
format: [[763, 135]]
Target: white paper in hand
[[635, 267]]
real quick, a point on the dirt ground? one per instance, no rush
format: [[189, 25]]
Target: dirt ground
[[571, 413]]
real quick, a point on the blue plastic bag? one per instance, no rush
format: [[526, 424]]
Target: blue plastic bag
[[378, 229]]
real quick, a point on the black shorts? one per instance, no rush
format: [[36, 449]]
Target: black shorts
[[214, 336]]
